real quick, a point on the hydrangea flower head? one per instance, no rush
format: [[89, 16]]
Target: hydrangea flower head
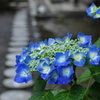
[[55, 58]]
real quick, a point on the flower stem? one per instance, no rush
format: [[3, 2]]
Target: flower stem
[[53, 87], [88, 86], [75, 79]]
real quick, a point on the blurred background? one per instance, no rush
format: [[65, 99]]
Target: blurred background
[[22, 21]]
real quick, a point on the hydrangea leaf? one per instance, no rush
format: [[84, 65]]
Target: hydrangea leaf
[[95, 71], [98, 43], [58, 91], [43, 95], [39, 84], [75, 93], [94, 92], [87, 72]]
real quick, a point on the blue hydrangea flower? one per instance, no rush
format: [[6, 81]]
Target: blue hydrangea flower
[[84, 40], [64, 80], [65, 71], [79, 59], [62, 59], [91, 11], [67, 38], [61, 75], [23, 58], [53, 77], [45, 69], [94, 56], [23, 74]]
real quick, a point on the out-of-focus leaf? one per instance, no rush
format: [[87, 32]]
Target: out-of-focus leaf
[[43, 95], [39, 84], [94, 92], [84, 74], [75, 93]]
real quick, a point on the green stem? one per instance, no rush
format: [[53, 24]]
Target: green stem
[[88, 86], [75, 79], [53, 87], [88, 76]]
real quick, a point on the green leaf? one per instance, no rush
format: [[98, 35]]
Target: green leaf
[[43, 95], [95, 70], [94, 92], [39, 84], [98, 43], [58, 91], [84, 75], [75, 93]]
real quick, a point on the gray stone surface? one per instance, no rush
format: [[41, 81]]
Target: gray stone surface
[[15, 95], [9, 83], [19, 38], [9, 72], [18, 43], [10, 63], [15, 50]]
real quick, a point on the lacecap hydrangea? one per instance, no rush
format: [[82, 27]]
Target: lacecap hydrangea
[[55, 59]]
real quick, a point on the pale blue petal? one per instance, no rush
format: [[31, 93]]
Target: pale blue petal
[[80, 63], [53, 78], [51, 41], [66, 71]]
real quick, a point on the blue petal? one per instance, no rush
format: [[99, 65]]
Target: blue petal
[[59, 40], [45, 76], [62, 64], [62, 57], [53, 78], [22, 68], [84, 40], [64, 80], [51, 41], [28, 58], [45, 68], [93, 52], [67, 38], [66, 71], [95, 61], [31, 46], [91, 10], [20, 79], [80, 63], [78, 56], [98, 11]]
